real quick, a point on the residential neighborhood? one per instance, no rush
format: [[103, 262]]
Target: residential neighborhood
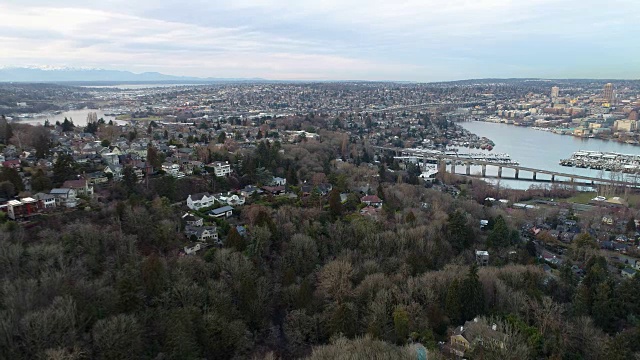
[[332, 210]]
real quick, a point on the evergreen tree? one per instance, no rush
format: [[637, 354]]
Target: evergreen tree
[[401, 325], [7, 190], [91, 128], [631, 226], [6, 131], [335, 204], [129, 178], [352, 202], [40, 181], [67, 125], [472, 294], [235, 240], [42, 143], [13, 176], [382, 173], [365, 157], [154, 158], [410, 218], [453, 304], [500, 235], [582, 301], [292, 176], [603, 309], [63, 169], [380, 192], [459, 234]]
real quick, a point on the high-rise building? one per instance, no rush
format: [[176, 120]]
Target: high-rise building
[[607, 92], [555, 91]]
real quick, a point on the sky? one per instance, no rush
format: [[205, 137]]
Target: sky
[[402, 40]]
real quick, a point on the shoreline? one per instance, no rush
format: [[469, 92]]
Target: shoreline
[[559, 131]]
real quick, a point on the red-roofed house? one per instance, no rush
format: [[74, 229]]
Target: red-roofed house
[[15, 164], [371, 200], [22, 208]]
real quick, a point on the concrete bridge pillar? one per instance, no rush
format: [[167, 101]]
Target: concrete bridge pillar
[[484, 170], [442, 166], [499, 171], [553, 178], [453, 167], [573, 179], [468, 168], [517, 173], [535, 175]]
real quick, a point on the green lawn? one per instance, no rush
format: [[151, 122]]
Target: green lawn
[[582, 198]]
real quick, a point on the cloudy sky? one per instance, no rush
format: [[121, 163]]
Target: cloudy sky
[[414, 40]]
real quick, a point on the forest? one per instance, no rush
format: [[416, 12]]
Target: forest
[[311, 277]]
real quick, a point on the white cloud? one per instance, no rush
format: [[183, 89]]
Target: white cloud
[[329, 39]]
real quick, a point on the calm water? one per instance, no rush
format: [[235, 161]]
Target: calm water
[[137, 86], [79, 117], [539, 149]]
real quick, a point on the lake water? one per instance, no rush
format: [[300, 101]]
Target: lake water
[[137, 86], [79, 117], [539, 150]]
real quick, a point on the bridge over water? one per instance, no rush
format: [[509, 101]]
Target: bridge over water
[[454, 160]]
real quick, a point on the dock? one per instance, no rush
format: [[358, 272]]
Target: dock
[[607, 161]]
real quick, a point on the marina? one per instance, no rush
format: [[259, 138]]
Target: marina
[[430, 156], [474, 142], [544, 149], [501, 158], [607, 161]]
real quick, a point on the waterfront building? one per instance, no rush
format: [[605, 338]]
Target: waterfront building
[[626, 125]]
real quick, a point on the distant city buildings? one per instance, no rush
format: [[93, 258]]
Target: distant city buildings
[[607, 93], [555, 92]]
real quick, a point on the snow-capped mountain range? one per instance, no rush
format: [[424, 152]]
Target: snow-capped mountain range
[[74, 74]]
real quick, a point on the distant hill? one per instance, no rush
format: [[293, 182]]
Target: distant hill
[[62, 75]]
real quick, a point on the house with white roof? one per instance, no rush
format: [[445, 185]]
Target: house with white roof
[[22, 208], [221, 169], [200, 200]]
